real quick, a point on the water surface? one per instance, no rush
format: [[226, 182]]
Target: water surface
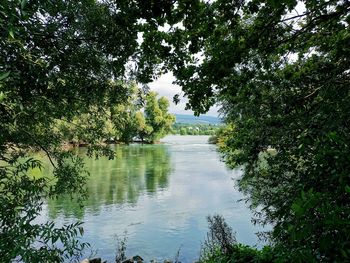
[[161, 195]]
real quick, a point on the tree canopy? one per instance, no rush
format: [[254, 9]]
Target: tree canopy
[[280, 71], [58, 60]]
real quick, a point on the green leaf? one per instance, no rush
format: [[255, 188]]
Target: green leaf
[[297, 209], [81, 230], [2, 96], [4, 75], [23, 3], [54, 239], [11, 34], [347, 189]]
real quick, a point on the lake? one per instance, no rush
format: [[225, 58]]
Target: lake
[[160, 195]]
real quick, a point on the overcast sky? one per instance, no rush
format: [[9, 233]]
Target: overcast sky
[[164, 87]]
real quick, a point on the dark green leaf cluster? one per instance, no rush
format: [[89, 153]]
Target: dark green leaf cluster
[[59, 60], [22, 238], [280, 70]]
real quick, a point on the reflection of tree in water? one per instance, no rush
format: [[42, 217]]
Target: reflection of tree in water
[[136, 170]]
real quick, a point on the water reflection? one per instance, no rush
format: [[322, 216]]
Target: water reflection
[[137, 170], [160, 194]]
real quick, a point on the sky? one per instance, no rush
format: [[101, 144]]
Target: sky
[[164, 87]]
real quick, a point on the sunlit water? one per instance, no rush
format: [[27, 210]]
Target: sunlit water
[[160, 195]]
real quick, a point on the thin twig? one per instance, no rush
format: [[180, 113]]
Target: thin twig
[[41, 147], [312, 93]]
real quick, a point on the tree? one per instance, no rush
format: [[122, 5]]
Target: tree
[[142, 129], [281, 75], [85, 128], [151, 125], [58, 60], [157, 117], [123, 122], [124, 117]]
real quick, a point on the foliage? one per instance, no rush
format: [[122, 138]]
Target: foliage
[[141, 116], [93, 127], [241, 254], [123, 116], [221, 246], [21, 202], [158, 120], [219, 238], [194, 129], [281, 74], [60, 61], [121, 248], [222, 135]]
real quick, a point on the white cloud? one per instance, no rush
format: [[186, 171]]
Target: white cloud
[[164, 87]]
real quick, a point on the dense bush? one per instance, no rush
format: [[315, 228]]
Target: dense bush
[[222, 247], [280, 71]]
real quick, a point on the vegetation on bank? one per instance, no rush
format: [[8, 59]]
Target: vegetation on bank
[[221, 246], [194, 129], [142, 117]]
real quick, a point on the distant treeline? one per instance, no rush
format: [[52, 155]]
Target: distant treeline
[[195, 129]]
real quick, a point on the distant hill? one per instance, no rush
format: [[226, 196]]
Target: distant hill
[[203, 119]]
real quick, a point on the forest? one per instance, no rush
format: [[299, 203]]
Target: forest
[[278, 70]]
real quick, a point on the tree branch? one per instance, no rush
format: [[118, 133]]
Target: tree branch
[[41, 147]]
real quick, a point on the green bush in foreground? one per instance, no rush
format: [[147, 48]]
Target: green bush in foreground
[[280, 72], [221, 246], [242, 254]]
